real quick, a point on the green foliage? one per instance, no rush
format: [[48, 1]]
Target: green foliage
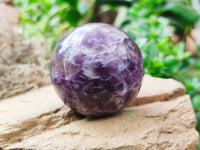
[[149, 26], [184, 13], [196, 102], [115, 2], [180, 14], [51, 20]]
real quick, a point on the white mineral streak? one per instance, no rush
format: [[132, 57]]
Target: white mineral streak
[[88, 70], [114, 49], [125, 89], [68, 59]]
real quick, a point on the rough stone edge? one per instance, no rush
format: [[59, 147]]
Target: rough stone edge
[[191, 145], [18, 133], [162, 97]]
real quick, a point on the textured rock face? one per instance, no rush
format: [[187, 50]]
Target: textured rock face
[[97, 69], [158, 90], [39, 120], [9, 17]]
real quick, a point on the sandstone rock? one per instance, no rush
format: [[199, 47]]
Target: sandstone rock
[[9, 17], [39, 120], [157, 89]]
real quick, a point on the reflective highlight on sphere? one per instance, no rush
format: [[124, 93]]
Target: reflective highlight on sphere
[[97, 69]]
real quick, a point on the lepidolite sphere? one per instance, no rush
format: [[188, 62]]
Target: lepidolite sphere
[[97, 69]]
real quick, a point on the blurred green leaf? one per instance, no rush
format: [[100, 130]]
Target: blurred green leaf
[[198, 121], [172, 64], [115, 2], [196, 102], [50, 19], [185, 12], [73, 17], [151, 50], [74, 3], [198, 48]]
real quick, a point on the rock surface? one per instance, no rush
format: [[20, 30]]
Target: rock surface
[[154, 89], [9, 17], [39, 120]]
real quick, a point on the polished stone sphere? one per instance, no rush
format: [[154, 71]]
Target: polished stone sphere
[[97, 69]]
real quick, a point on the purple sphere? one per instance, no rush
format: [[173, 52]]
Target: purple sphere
[[97, 69]]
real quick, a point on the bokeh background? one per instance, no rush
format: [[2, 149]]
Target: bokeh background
[[166, 31]]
